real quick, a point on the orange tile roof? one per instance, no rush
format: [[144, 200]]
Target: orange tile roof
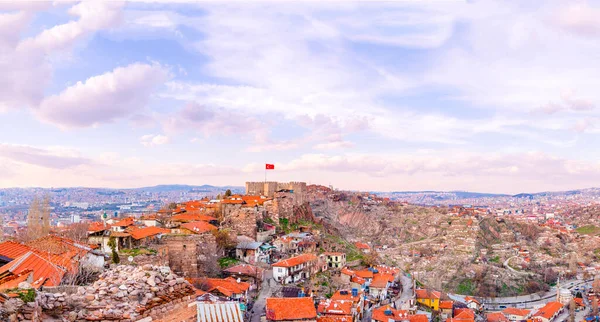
[[147, 232], [381, 280], [293, 308], [579, 301], [59, 245], [398, 315], [13, 249], [426, 294], [471, 299], [364, 273], [227, 286], [335, 318], [296, 260], [341, 307], [496, 317], [515, 311], [446, 304], [347, 271], [360, 245], [199, 227], [119, 234], [358, 280], [44, 271], [186, 217], [348, 296], [549, 310], [13, 281], [97, 226], [128, 221]]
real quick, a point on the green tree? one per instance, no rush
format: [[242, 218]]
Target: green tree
[[112, 243], [228, 193]]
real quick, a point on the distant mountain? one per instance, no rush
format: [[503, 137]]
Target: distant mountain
[[182, 187], [441, 195]]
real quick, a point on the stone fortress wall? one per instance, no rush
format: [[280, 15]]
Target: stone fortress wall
[[269, 188]]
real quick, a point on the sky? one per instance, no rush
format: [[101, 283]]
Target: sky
[[489, 96]]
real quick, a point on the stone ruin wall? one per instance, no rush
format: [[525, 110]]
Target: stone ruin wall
[[124, 294], [191, 255], [269, 189], [242, 220]]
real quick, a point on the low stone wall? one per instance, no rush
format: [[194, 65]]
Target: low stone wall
[[15, 310]]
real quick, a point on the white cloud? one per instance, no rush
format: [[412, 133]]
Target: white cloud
[[53, 158], [114, 95], [334, 145], [150, 140], [25, 64], [580, 19]]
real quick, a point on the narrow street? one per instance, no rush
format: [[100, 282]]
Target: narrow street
[[269, 286], [406, 291]]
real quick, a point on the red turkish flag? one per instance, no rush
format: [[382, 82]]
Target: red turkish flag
[[270, 166]]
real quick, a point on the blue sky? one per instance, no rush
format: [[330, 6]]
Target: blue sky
[[446, 95]]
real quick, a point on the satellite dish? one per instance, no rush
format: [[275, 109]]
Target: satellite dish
[[130, 259]]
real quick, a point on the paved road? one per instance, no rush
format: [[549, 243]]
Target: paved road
[[532, 300], [507, 261], [268, 287]]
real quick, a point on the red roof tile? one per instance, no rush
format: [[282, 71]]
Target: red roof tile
[[187, 217], [360, 245], [13, 281], [199, 227], [496, 317], [347, 296], [128, 221], [347, 271], [296, 260], [340, 307], [13, 249], [426, 294], [379, 314], [147, 232], [549, 310], [364, 273], [335, 318], [515, 311], [227, 286], [446, 304], [97, 227], [293, 308], [381, 280], [44, 271]]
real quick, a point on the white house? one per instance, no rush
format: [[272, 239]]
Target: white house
[[295, 268]]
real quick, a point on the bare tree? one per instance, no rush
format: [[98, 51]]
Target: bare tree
[[38, 218], [572, 307], [77, 232]]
